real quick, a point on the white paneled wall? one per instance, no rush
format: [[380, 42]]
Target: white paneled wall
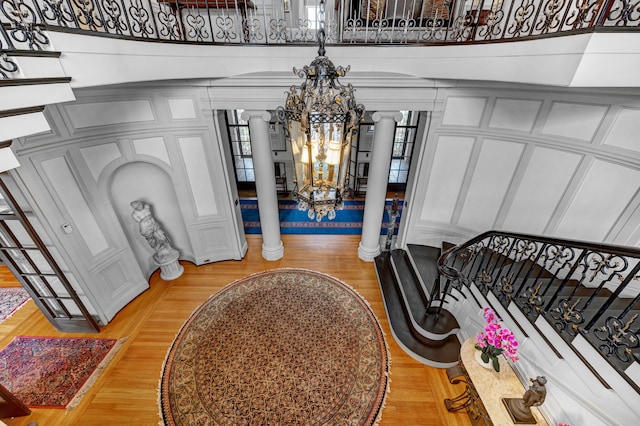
[[539, 162], [117, 145]]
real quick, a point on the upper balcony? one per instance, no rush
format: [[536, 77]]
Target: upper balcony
[[292, 21], [565, 43]]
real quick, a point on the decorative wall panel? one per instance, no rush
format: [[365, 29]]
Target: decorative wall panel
[[198, 174], [545, 181], [463, 111], [601, 198], [624, 131], [450, 164], [85, 115], [494, 171], [213, 242], [182, 109], [70, 194], [574, 120], [153, 147], [514, 114], [99, 156]]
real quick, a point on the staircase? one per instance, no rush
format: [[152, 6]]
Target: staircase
[[574, 308], [407, 280]]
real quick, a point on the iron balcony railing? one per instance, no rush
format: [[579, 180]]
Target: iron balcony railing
[[580, 288], [291, 21], [23, 23]]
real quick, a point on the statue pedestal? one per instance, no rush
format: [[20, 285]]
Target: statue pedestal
[[170, 269]]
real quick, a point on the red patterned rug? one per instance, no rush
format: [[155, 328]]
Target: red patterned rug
[[12, 299], [282, 347], [48, 372]]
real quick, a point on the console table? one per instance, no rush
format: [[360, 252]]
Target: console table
[[484, 390]]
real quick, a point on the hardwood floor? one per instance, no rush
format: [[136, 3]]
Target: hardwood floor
[[126, 392]]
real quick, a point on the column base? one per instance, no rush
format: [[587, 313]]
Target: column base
[[368, 254], [273, 253], [170, 269]]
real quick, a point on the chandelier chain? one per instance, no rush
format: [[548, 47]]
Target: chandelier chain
[[321, 33]]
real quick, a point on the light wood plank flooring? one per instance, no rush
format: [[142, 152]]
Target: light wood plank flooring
[[126, 392]]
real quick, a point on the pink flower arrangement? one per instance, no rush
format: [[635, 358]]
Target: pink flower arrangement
[[495, 339]]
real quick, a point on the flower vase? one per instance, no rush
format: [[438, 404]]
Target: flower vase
[[487, 365]]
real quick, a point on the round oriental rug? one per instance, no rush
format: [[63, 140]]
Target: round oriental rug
[[282, 347]]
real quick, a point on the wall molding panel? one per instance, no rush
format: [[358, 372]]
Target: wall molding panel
[[117, 145], [575, 173]]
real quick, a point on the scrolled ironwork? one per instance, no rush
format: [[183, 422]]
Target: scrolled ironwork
[[226, 29], [531, 299], [7, 66], [57, 11], [522, 19], [169, 25], [625, 13], [25, 27], [278, 30], [551, 16], [618, 337], [196, 27], [114, 19], [568, 316], [493, 26], [584, 14], [141, 20], [87, 15]]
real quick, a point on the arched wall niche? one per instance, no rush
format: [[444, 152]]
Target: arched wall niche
[[152, 185]]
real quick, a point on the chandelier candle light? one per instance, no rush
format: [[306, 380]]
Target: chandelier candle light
[[495, 339], [321, 118]]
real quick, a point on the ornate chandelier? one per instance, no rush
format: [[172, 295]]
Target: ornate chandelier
[[321, 118]]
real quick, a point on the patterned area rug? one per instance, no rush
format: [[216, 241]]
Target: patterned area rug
[[282, 347], [47, 372], [12, 299]]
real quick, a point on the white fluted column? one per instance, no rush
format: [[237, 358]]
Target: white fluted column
[[272, 248], [377, 181]]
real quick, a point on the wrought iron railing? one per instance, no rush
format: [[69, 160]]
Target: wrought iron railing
[[586, 289], [291, 21], [23, 23]]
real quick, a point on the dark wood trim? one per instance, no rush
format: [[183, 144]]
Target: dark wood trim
[[34, 81], [21, 111], [31, 53]]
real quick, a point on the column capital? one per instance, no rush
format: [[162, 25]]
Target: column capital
[[379, 115], [248, 114]]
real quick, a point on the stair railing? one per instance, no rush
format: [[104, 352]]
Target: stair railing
[[580, 288]]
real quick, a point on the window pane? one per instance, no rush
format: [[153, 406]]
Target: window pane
[[403, 176], [401, 132], [405, 118], [246, 148], [248, 163], [393, 176], [239, 119], [41, 263], [244, 134], [250, 176], [242, 176], [398, 149]]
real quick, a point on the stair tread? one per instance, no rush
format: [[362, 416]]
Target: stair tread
[[441, 353], [425, 259], [417, 302]]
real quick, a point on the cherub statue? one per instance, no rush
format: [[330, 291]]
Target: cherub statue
[[520, 408]]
